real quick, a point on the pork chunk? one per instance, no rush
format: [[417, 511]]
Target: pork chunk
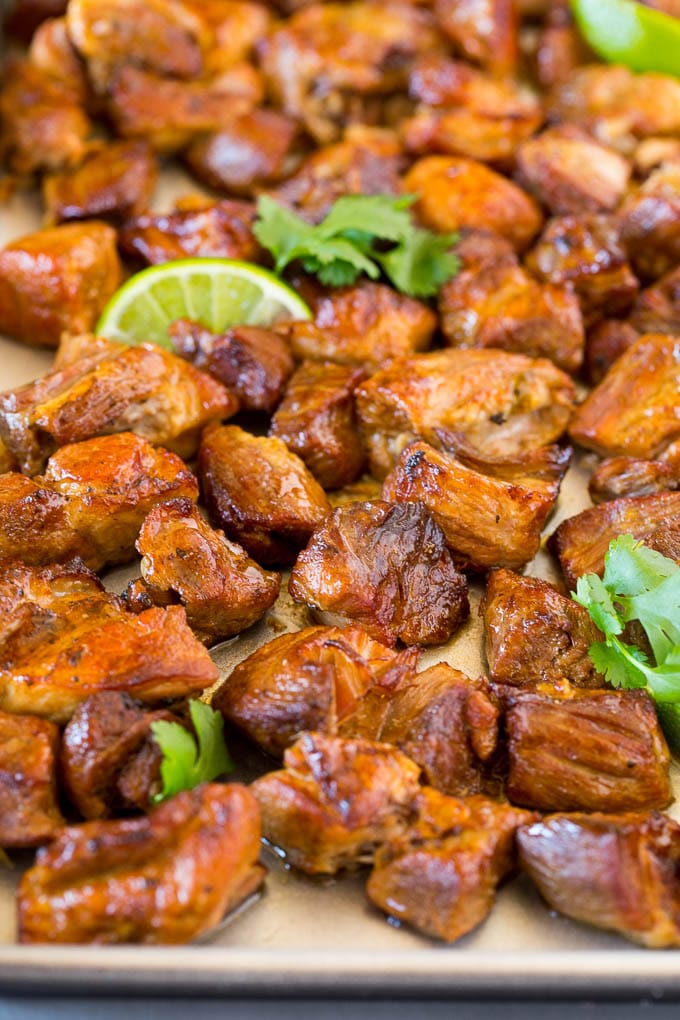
[[657, 309], [219, 230], [606, 342], [650, 222], [628, 476], [114, 183], [483, 31], [29, 805]]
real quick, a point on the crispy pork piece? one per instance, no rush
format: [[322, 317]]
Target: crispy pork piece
[[335, 801], [114, 182], [633, 411], [585, 750], [657, 309], [650, 222], [184, 560], [466, 113], [57, 281], [503, 404], [170, 113], [581, 542], [386, 567], [606, 342], [666, 539], [236, 26], [312, 679], [560, 47], [440, 875], [107, 739], [585, 252], [492, 513], [627, 476], [221, 229], [161, 35], [144, 389], [366, 324], [478, 248], [259, 492], [617, 872], [252, 362], [570, 172], [163, 878], [317, 420], [500, 305], [64, 638], [651, 153], [534, 635], [90, 502], [367, 161], [456, 192], [42, 123], [327, 58], [53, 53], [29, 805], [248, 153], [483, 31]]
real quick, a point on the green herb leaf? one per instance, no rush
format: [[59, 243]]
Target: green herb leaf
[[185, 764], [592, 594], [421, 263], [380, 216]]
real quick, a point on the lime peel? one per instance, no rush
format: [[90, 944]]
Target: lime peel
[[626, 32]]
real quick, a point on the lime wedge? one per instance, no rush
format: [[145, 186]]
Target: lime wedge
[[218, 293], [625, 32]]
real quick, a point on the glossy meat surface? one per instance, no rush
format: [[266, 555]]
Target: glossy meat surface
[[484, 31], [628, 476], [29, 805], [650, 222], [260, 493], [162, 878], [219, 230], [617, 872]]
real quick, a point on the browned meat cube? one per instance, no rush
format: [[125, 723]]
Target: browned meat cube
[[386, 567], [107, 737], [114, 182], [504, 404], [657, 309], [64, 638], [252, 362], [666, 539], [466, 113], [327, 57], [367, 161], [160, 35], [42, 123], [52, 52], [335, 801], [500, 305], [484, 31], [236, 27], [617, 872], [367, 324], [560, 48], [650, 223], [183, 559], [57, 281], [118, 881], [260, 493], [633, 411], [604, 344], [90, 502], [456, 192], [478, 248], [317, 420], [653, 153], [441, 874], [581, 542], [220, 230], [585, 252], [29, 807], [491, 514], [117, 389], [578, 750], [246, 154], [570, 172], [626, 476], [312, 679], [534, 635], [169, 113]]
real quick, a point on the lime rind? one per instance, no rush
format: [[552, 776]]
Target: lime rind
[[628, 33]]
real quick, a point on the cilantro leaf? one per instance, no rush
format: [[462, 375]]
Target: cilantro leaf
[[631, 567], [421, 263], [592, 594], [382, 216], [658, 610], [622, 665], [185, 764]]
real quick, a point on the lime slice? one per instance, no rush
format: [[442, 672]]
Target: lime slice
[[218, 293], [625, 32]]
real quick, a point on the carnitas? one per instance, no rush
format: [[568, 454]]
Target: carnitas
[[29, 801], [194, 228]]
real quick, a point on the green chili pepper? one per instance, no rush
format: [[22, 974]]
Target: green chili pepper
[[625, 32]]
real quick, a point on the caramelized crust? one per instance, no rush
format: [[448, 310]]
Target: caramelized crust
[[650, 222], [484, 31], [657, 309], [260, 493], [222, 590], [386, 567], [162, 878], [586, 751], [626, 476], [604, 344], [521, 613], [57, 281], [617, 872], [335, 801], [29, 807], [35, 524], [220, 230]]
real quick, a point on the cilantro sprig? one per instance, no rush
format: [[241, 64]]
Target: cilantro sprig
[[638, 584], [369, 234], [185, 764]]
